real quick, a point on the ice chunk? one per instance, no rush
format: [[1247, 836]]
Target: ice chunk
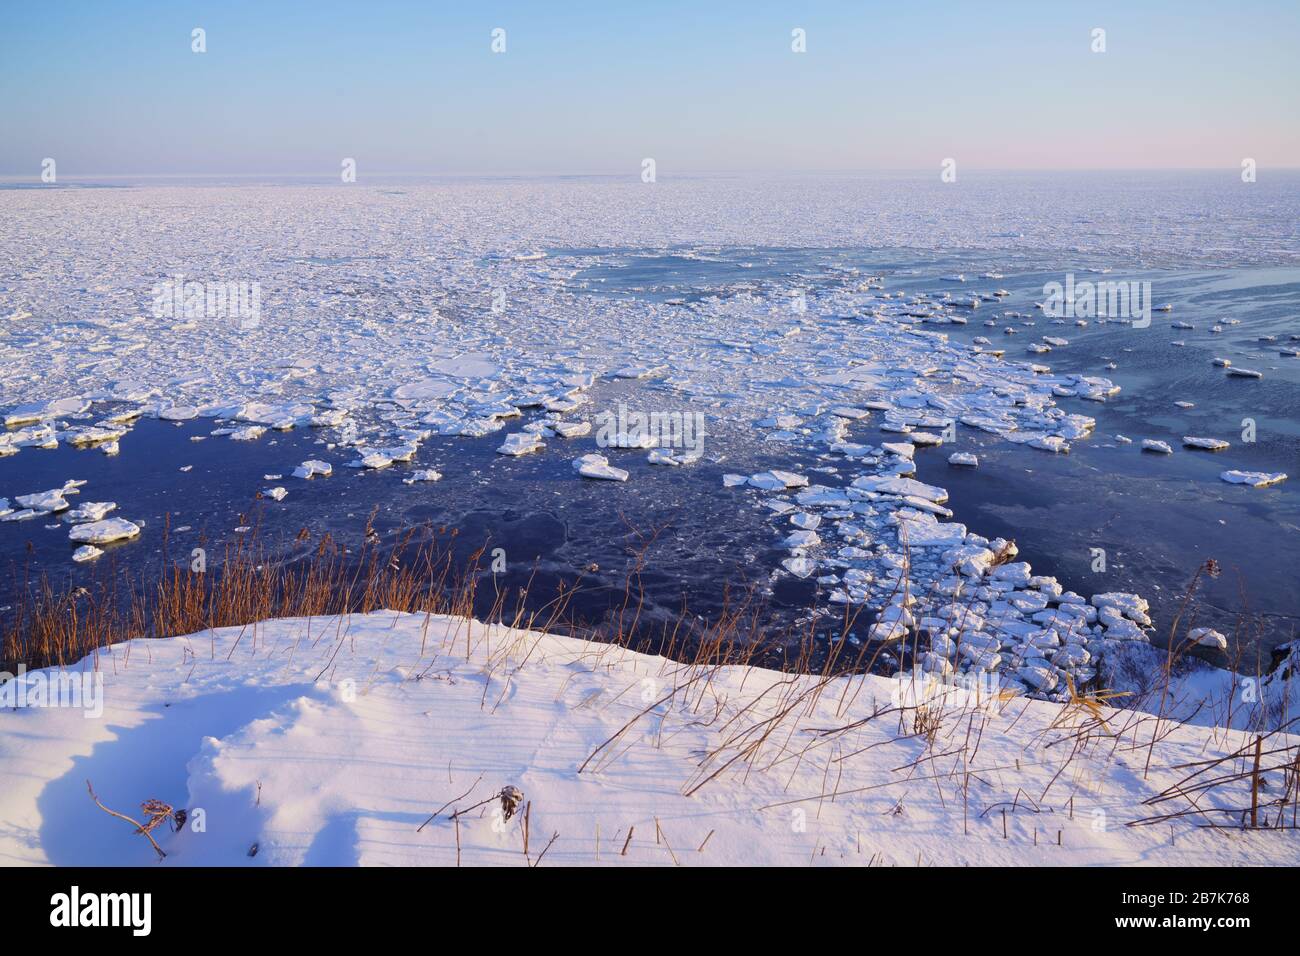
[[45, 501], [1130, 605], [102, 532], [90, 511], [1208, 637], [799, 566], [374, 460], [903, 487], [422, 474], [1256, 479], [802, 539], [1209, 444], [312, 468], [1038, 677], [571, 429], [777, 480], [520, 443], [178, 413], [93, 435], [598, 466]]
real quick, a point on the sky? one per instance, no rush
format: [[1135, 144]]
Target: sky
[[108, 87]]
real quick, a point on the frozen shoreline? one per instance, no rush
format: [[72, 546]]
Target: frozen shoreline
[[374, 349], [330, 741]]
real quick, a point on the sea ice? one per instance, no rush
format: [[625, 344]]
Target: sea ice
[[520, 443], [1257, 479], [422, 474], [312, 468], [102, 532], [89, 511], [1208, 444], [598, 466]]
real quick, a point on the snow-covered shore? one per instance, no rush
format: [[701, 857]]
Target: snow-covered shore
[[331, 741]]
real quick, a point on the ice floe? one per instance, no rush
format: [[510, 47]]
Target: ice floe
[[87, 552], [1257, 479], [1208, 444], [104, 532], [598, 467], [422, 475]]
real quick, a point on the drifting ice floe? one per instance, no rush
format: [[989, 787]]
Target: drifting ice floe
[[89, 511], [598, 466], [312, 468], [103, 532], [421, 475], [777, 480], [50, 501], [374, 460], [520, 443], [1257, 479], [1208, 444]]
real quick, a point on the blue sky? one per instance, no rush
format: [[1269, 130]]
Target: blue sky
[[292, 88]]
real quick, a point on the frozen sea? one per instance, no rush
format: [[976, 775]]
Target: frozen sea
[[412, 307]]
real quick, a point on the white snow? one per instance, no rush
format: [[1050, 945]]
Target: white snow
[[336, 742], [1208, 637]]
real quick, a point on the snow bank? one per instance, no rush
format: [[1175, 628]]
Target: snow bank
[[331, 741]]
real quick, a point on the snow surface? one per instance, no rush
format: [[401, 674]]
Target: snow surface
[[331, 741]]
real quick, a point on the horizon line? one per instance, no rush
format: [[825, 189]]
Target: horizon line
[[632, 173]]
